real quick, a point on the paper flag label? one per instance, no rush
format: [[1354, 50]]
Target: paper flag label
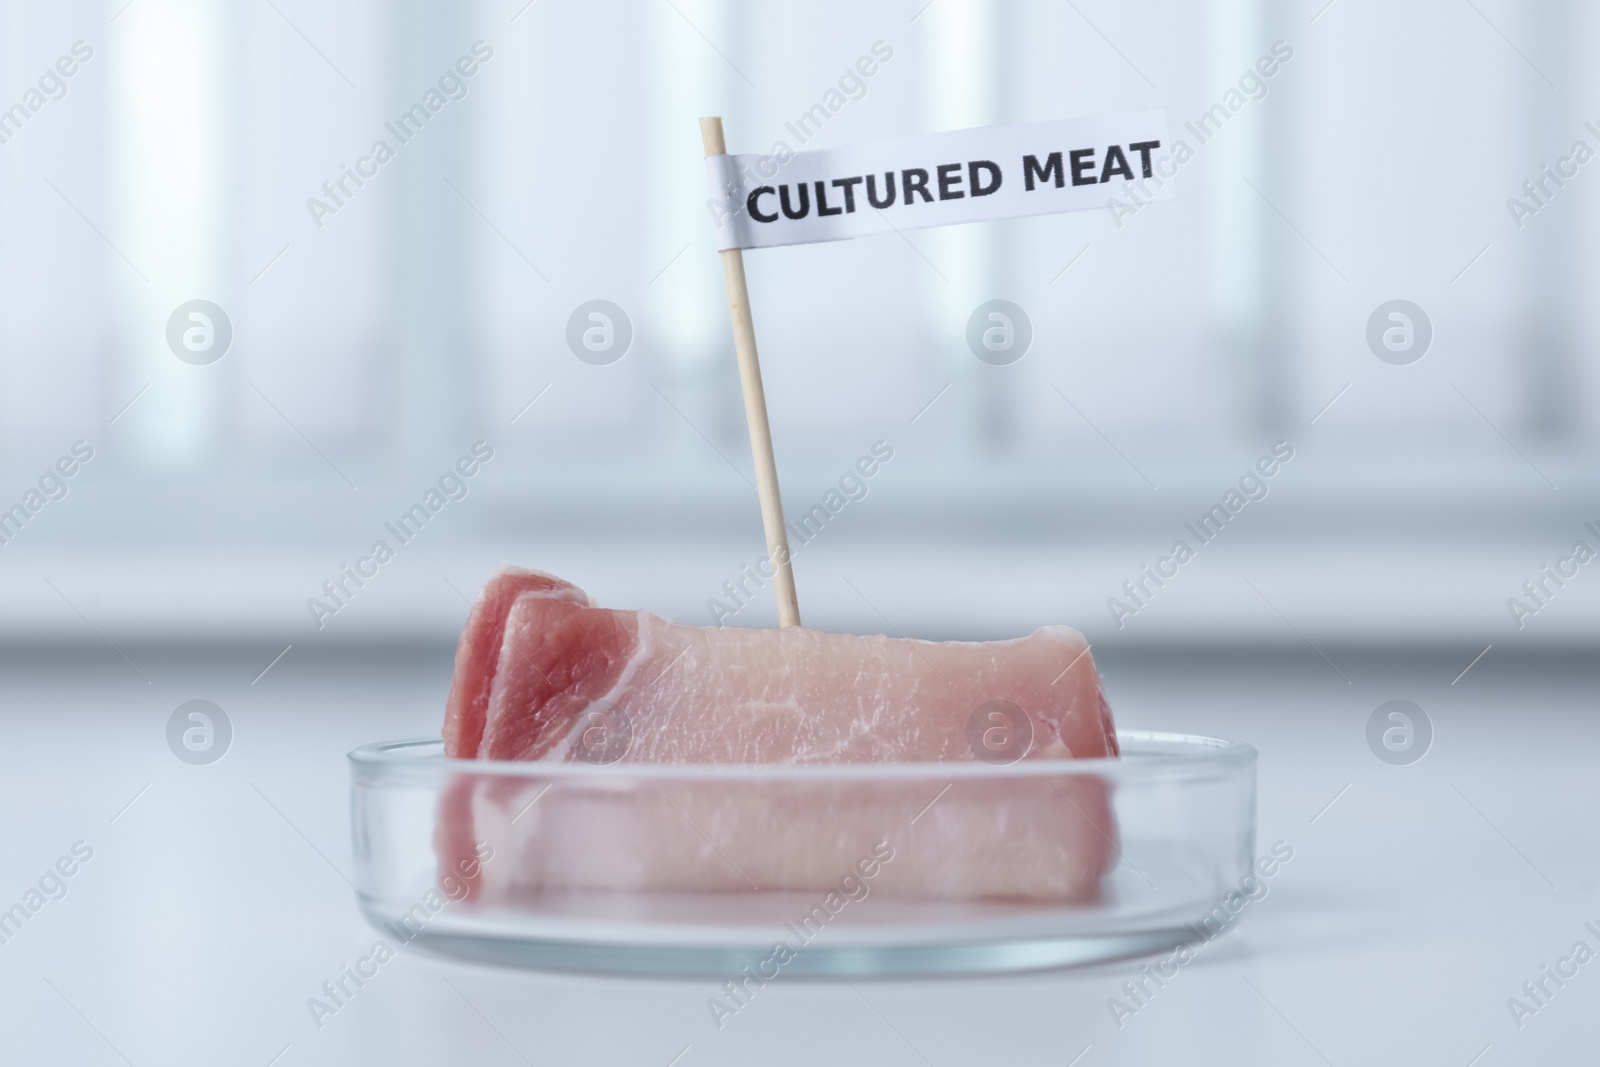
[[940, 179]]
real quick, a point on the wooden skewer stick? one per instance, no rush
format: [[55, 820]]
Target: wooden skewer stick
[[755, 410]]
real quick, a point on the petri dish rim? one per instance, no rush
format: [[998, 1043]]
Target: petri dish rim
[[1149, 755]]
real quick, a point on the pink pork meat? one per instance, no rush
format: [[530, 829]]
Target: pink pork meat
[[543, 675]]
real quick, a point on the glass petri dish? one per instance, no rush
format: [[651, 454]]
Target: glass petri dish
[[807, 870]]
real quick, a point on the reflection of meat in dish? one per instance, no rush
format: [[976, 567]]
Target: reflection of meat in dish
[[542, 675]]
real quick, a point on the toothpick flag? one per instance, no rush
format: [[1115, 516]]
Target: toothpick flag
[[939, 179]]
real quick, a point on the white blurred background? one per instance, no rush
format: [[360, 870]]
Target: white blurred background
[[373, 345]]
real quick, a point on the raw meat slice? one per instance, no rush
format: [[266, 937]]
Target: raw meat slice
[[479, 651], [543, 675], [692, 694]]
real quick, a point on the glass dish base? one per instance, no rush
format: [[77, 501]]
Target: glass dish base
[[1184, 811]]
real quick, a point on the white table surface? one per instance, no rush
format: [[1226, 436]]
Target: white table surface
[[215, 904]]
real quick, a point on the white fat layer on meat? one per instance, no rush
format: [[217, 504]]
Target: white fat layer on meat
[[643, 648], [877, 706]]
